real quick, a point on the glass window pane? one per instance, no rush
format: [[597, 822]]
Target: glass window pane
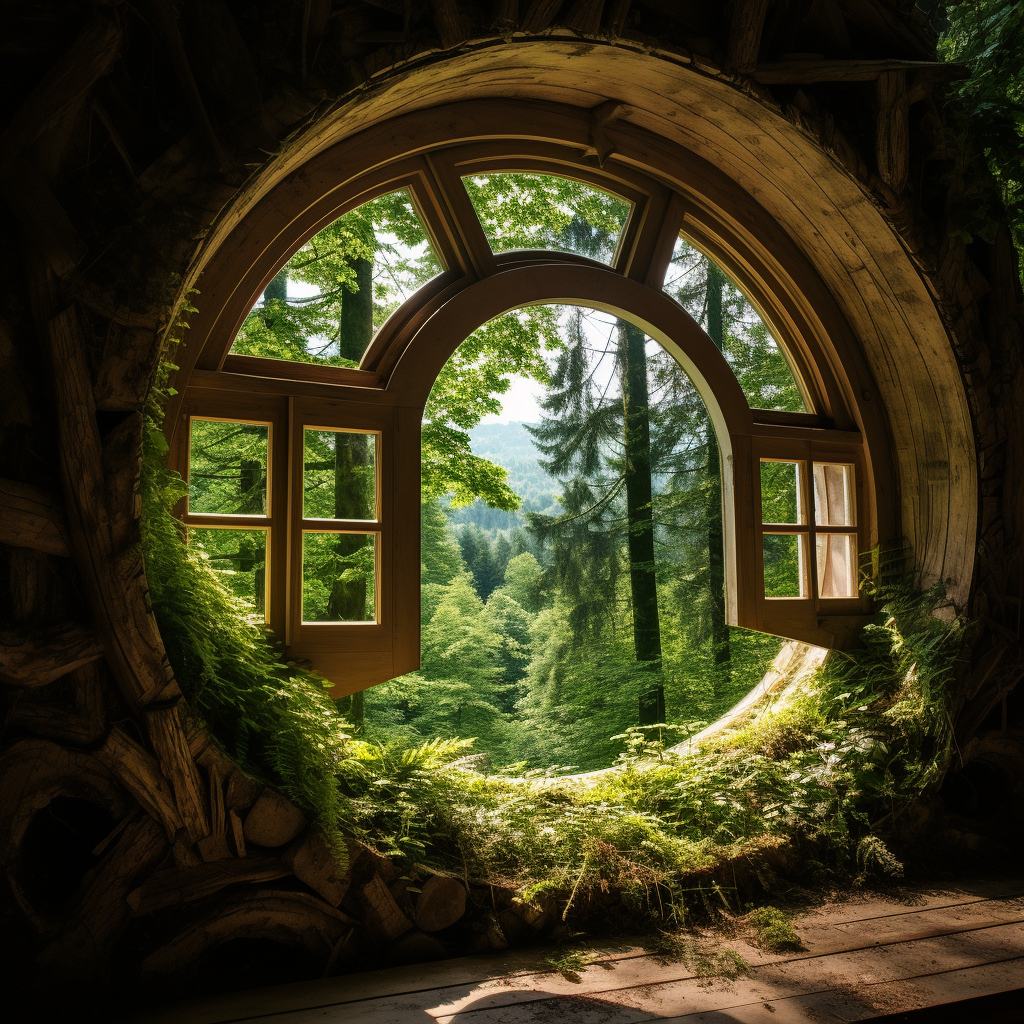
[[331, 297], [782, 492], [239, 557], [339, 577], [834, 495], [340, 475], [542, 211], [784, 561], [719, 305], [837, 565], [227, 469]]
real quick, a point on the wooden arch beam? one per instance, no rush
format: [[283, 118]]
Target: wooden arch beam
[[792, 200]]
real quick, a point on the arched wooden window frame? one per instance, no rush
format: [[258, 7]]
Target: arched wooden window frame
[[670, 192]]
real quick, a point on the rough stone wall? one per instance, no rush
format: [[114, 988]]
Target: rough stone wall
[[129, 129]]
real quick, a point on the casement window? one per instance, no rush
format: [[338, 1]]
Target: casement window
[[314, 516]]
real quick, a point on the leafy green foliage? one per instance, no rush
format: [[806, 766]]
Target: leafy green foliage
[[818, 770], [988, 36], [760, 364], [275, 720], [773, 931], [542, 211], [386, 235], [509, 657], [469, 387]]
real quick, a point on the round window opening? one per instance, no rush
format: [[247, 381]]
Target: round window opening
[[542, 452]]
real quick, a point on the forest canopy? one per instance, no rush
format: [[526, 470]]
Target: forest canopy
[[549, 627]]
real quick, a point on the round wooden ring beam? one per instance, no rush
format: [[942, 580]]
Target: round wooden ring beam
[[770, 184]]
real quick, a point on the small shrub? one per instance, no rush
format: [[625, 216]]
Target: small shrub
[[773, 930], [875, 860]]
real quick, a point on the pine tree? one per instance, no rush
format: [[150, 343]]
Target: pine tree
[[600, 447]]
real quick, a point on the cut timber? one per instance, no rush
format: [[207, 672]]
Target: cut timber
[[121, 461], [893, 130], [215, 845], [41, 215], [618, 11], [34, 772], [451, 25], [113, 579], [745, 34], [54, 723], [441, 904], [540, 14], [242, 792], [807, 72], [364, 861], [139, 773], [532, 915], [166, 730], [585, 16], [35, 657], [291, 918], [165, 25], [315, 863], [237, 832], [175, 888], [381, 914], [505, 16], [273, 821], [123, 377], [31, 518], [101, 912]]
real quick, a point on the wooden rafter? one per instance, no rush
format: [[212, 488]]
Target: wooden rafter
[[807, 72]]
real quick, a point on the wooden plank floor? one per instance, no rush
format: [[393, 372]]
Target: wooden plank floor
[[864, 957]]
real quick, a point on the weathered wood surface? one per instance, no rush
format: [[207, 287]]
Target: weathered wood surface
[[31, 518], [811, 70], [584, 16], [292, 918], [893, 129], [100, 912], [957, 943], [505, 16], [745, 34], [113, 579], [89, 58], [174, 887], [314, 863], [870, 282], [38, 655], [139, 772], [34, 772], [539, 14], [109, 561], [273, 821], [441, 903], [381, 913]]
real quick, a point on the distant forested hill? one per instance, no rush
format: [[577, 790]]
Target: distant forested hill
[[510, 446]]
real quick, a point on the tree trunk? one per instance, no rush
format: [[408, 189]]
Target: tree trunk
[[351, 455], [716, 552], [640, 520]]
